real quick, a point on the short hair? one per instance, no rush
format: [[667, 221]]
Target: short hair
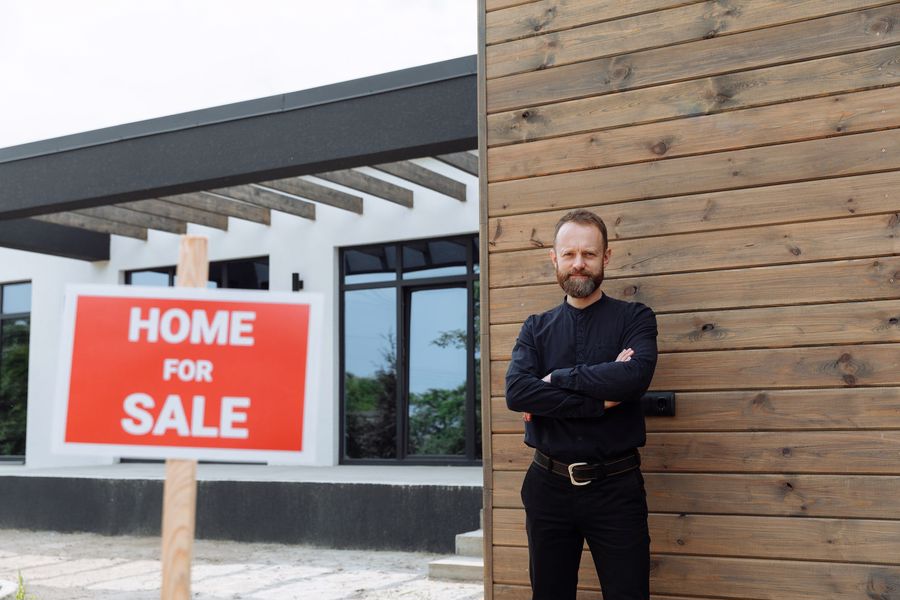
[[582, 217]]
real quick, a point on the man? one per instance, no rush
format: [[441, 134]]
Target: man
[[578, 372]]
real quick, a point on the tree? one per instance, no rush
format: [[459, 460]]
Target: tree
[[13, 387]]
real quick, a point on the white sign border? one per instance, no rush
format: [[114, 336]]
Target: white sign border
[[315, 348]]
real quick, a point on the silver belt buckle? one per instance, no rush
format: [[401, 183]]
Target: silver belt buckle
[[572, 474]]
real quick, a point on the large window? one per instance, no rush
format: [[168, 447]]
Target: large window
[[245, 273], [15, 311], [409, 352]]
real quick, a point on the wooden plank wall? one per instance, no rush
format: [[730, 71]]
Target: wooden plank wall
[[744, 154]]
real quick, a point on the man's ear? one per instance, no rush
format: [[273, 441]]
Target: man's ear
[[553, 258], [606, 256]]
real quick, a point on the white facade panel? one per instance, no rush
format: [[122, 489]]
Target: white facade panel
[[293, 245]]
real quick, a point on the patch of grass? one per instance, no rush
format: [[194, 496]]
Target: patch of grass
[[21, 592]]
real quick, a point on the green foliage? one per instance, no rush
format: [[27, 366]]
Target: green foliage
[[21, 592], [437, 421], [370, 405], [437, 416], [13, 386]]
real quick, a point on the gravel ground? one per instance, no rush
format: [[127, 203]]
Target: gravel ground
[[82, 566]]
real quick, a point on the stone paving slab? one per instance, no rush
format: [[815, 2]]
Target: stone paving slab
[[84, 566]]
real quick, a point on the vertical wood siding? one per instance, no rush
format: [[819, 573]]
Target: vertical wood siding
[[745, 155]]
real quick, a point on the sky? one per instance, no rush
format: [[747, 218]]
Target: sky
[[68, 66]]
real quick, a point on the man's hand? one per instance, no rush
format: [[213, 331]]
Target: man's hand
[[624, 356]]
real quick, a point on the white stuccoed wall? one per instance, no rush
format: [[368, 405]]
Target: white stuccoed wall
[[294, 245]]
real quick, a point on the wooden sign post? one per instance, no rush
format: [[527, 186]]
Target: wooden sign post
[[180, 491], [188, 374]]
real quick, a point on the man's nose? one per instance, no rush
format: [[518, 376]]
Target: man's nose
[[579, 262]]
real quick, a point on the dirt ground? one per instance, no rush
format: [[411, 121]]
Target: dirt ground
[[59, 566]]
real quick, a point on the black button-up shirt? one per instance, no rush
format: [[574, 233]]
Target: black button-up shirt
[[579, 347]]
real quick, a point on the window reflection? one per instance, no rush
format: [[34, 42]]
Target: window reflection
[[16, 298], [368, 265], [151, 277], [370, 373], [13, 385], [437, 371], [434, 258], [410, 370]]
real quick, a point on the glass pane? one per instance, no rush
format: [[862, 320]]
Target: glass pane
[[434, 258], [477, 312], [247, 274], [158, 277], [13, 385], [16, 298], [437, 371], [475, 255], [216, 276], [367, 265], [370, 373]]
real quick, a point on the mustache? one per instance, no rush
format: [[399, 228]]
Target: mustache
[[585, 272]]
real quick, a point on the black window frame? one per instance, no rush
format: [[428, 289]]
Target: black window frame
[[14, 458], [170, 270], [404, 289]]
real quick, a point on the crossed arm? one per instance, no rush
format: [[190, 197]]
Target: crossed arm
[[582, 390]]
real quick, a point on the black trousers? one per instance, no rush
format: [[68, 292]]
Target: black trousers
[[610, 513]]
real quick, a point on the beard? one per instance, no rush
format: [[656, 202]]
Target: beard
[[582, 286]]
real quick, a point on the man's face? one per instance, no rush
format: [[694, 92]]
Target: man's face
[[579, 259]]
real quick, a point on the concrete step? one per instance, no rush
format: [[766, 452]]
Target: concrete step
[[457, 568], [470, 543]]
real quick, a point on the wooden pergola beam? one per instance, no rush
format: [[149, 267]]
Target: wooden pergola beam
[[177, 211], [367, 184], [70, 219], [133, 217], [464, 161], [269, 199], [223, 205], [317, 193], [426, 178]]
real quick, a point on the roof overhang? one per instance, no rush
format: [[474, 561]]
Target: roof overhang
[[422, 111]]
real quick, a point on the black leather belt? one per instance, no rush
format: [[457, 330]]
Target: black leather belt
[[582, 473]]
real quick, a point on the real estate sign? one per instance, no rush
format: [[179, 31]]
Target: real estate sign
[[188, 373]]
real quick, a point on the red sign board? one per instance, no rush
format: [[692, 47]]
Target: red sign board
[[186, 373]]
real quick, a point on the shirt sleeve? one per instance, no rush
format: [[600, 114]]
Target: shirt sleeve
[[618, 381], [527, 392]]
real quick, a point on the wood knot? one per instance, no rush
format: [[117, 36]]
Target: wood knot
[[535, 241], [723, 97], [893, 320], [620, 73], [849, 379], [882, 584], [786, 452], [526, 114], [659, 148], [631, 290], [680, 542], [761, 400], [795, 251], [708, 327], [735, 173], [710, 34], [845, 358], [880, 26], [789, 485], [894, 220]]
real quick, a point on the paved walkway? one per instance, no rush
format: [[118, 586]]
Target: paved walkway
[[86, 566]]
